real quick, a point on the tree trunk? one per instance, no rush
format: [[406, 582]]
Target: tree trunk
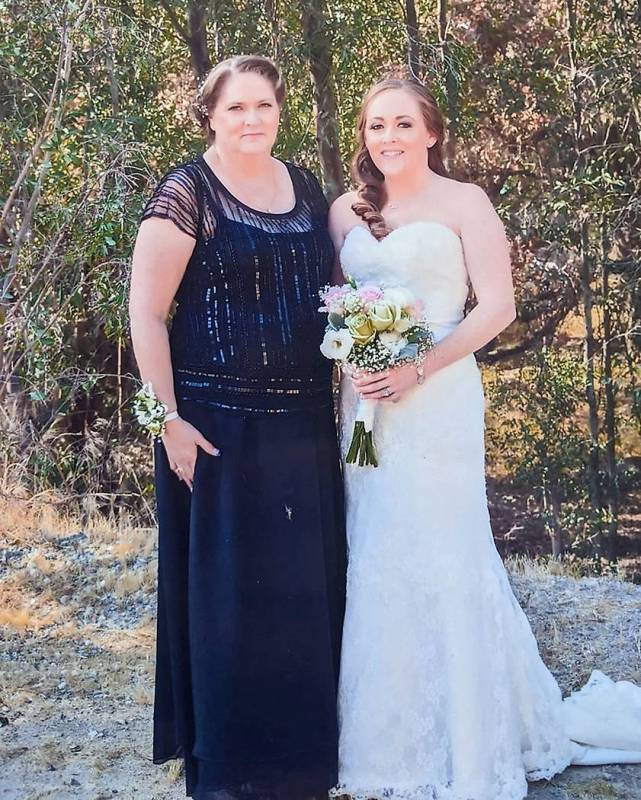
[[194, 34], [216, 30], [612, 480], [451, 84], [320, 65], [574, 84], [271, 7], [589, 345], [54, 112], [197, 26], [552, 517], [413, 41], [589, 352], [110, 64]]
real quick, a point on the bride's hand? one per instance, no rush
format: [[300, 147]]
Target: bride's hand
[[181, 442], [388, 386]]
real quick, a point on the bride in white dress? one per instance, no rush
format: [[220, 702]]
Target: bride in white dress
[[443, 695]]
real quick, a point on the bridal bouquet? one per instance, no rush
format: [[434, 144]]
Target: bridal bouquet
[[371, 329]]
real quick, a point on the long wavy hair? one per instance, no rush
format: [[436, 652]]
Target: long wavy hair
[[369, 180], [217, 77]]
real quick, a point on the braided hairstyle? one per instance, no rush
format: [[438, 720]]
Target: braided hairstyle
[[369, 180], [212, 86]]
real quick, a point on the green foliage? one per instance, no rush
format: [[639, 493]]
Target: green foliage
[[536, 433], [105, 136]]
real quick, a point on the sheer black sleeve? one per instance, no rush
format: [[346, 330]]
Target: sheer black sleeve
[[176, 198]]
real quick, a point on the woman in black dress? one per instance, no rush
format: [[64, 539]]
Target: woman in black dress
[[249, 493]]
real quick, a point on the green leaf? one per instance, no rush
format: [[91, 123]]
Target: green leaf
[[336, 321]]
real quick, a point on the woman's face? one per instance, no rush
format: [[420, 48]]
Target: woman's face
[[395, 132], [246, 116]]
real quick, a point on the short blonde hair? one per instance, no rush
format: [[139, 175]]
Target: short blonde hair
[[218, 76]]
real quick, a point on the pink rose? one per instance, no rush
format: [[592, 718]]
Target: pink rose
[[369, 294], [333, 298]]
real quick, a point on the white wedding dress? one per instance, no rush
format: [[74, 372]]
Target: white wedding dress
[[443, 694]]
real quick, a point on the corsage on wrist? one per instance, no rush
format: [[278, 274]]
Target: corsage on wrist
[[150, 412]]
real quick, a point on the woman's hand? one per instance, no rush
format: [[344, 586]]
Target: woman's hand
[[389, 385], [181, 442]]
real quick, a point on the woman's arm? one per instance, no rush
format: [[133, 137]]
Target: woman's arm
[[160, 258], [487, 258], [338, 223]]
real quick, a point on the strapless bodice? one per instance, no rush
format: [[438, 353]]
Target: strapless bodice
[[424, 257]]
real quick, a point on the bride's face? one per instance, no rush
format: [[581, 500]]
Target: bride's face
[[395, 133]]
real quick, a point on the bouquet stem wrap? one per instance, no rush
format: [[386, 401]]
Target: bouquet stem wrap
[[361, 449]]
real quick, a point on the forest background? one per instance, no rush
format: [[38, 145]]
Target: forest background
[[543, 101]]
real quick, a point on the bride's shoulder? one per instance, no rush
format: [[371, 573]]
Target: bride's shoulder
[[469, 202], [462, 190], [341, 214], [344, 202]]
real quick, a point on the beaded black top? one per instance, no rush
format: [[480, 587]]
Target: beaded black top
[[246, 330]]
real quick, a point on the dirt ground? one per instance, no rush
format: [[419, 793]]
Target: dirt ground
[[77, 616]]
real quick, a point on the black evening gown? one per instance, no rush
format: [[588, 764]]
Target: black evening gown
[[251, 572]]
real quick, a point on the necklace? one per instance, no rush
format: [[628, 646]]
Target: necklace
[[395, 206]]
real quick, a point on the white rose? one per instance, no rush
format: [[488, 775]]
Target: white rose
[[401, 324], [337, 344]]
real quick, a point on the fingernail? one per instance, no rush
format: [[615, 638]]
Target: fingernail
[[216, 452]]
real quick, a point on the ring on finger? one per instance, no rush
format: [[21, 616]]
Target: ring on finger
[[388, 393]]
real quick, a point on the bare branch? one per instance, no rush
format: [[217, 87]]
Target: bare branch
[[173, 17]]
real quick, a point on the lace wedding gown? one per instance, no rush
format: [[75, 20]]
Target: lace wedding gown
[[443, 694]]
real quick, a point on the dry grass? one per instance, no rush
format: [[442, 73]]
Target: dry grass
[[25, 521], [535, 568], [130, 582], [79, 627], [175, 771], [43, 519]]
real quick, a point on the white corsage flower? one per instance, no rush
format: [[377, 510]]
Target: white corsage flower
[[337, 344]]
